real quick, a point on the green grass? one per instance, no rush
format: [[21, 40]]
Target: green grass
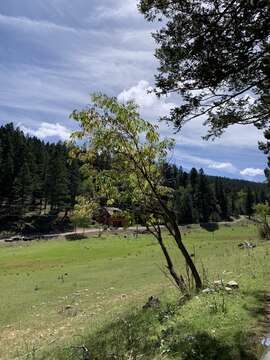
[[61, 293]]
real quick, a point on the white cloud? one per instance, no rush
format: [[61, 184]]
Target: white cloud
[[120, 9], [222, 166], [237, 136], [149, 103], [241, 136], [48, 93], [191, 134], [208, 163], [47, 130], [56, 52], [25, 23], [251, 172]]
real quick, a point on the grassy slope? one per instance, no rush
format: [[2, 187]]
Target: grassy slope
[[53, 290]]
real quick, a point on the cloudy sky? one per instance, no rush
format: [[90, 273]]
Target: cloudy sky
[[54, 53]]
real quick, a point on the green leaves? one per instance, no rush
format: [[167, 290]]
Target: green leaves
[[213, 55], [83, 211], [133, 146], [133, 179]]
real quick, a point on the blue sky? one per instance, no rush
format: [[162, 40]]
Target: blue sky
[[54, 53]]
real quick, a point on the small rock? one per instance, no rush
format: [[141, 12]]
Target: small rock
[[67, 307], [246, 245], [228, 289], [232, 284], [208, 291]]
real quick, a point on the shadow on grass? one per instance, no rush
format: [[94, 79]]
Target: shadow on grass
[[258, 310], [75, 237], [152, 334], [211, 227], [202, 346]]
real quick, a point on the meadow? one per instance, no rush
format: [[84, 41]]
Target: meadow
[[61, 298]]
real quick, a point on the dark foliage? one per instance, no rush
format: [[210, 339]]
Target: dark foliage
[[36, 179], [200, 198], [215, 55]]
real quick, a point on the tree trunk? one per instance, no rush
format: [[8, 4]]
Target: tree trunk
[[177, 279], [189, 261]]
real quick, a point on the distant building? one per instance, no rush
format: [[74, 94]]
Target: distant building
[[111, 216]]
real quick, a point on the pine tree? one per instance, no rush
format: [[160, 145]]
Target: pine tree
[[193, 178], [57, 182], [185, 207], [38, 170], [74, 181], [222, 200], [249, 202], [7, 164], [204, 199], [22, 190]]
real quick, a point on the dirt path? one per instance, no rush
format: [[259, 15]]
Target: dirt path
[[79, 232], [96, 231]]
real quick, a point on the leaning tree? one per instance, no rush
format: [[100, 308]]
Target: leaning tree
[[133, 175], [214, 55]]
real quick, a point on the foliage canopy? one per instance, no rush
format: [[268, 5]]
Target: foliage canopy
[[133, 175], [215, 55]]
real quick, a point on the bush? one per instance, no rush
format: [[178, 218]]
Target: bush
[[264, 232], [262, 212]]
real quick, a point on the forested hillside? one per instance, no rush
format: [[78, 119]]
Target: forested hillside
[[204, 198], [38, 179]]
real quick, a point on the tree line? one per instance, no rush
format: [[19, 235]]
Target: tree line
[[39, 178], [36, 177], [200, 198]]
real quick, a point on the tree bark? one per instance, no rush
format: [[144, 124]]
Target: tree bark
[[189, 261], [177, 279]]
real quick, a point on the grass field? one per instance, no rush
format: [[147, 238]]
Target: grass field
[[60, 293]]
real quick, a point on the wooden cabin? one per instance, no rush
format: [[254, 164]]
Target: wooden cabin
[[111, 216]]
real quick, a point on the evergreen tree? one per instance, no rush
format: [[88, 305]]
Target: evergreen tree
[[36, 175], [58, 182], [22, 190], [234, 204], [193, 178], [74, 181], [7, 164], [185, 207], [39, 166], [204, 199], [222, 200], [249, 202]]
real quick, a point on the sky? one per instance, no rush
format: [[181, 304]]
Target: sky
[[55, 53]]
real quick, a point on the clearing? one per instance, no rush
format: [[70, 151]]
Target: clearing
[[56, 293]]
